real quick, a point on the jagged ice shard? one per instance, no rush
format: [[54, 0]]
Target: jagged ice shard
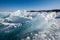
[[19, 23]]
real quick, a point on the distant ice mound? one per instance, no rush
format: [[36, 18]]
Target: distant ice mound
[[19, 23]]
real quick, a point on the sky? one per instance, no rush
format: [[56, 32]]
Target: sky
[[11, 5]]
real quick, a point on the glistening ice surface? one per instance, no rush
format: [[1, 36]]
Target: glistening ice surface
[[23, 25]]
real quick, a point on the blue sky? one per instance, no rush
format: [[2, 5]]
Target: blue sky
[[11, 5]]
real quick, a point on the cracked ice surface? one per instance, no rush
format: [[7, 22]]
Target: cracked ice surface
[[52, 33], [22, 25]]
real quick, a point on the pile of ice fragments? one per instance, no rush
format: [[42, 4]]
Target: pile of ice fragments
[[23, 25]]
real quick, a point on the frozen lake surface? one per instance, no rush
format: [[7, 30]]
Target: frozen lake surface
[[22, 25]]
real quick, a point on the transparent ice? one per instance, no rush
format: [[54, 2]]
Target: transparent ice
[[23, 25]]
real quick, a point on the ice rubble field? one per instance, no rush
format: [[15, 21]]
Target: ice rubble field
[[22, 25]]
